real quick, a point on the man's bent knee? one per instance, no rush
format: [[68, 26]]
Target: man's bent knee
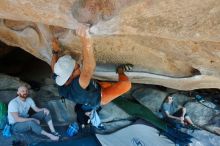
[[31, 123], [126, 85], [48, 112], [47, 118], [184, 109]]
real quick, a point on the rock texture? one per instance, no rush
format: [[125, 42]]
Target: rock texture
[[171, 43], [9, 82], [204, 138], [9, 86], [151, 98], [205, 115]]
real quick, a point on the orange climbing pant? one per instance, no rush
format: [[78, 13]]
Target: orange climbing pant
[[111, 90]]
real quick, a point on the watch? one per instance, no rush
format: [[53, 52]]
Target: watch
[[55, 52]]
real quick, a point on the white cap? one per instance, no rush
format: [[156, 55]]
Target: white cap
[[63, 69]]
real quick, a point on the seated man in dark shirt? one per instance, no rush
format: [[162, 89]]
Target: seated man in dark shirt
[[175, 113], [75, 81]]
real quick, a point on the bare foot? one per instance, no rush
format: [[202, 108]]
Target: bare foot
[[53, 137]]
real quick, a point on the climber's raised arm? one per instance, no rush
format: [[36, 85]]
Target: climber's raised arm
[[55, 50], [89, 62]]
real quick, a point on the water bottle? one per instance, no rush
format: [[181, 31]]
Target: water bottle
[[72, 129], [199, 98], [7, 131]]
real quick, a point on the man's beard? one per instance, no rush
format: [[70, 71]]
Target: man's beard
[[24, 96]]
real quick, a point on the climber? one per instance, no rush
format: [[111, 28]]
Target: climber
[[174, 113], [75, 81], [20, 120]]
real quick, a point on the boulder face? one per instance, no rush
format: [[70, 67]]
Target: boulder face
[[173, 43], [203, 114], [9, 86]]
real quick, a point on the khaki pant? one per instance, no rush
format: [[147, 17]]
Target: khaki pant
[[31, 125]]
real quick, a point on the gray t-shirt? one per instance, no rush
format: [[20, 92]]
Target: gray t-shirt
[[19, 106], [170, 108]]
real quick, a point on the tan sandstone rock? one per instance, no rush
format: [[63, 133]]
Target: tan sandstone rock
[[171, 43]]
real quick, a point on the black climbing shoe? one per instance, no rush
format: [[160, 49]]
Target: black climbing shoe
[[124, 68]]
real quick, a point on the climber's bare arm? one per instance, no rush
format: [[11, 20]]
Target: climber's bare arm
[[89, 63], [56, 50]]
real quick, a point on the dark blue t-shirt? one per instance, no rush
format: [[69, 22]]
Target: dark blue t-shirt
[[91, 96]]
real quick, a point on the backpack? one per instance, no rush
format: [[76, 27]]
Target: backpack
[[81, 117], [3, 115]]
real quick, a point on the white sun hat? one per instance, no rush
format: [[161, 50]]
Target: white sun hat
[[63, 69]]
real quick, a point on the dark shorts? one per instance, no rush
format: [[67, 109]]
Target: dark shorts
[[179, 113]]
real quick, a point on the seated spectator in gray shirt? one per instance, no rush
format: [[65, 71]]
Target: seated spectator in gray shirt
[[173, 112], [21, 122]]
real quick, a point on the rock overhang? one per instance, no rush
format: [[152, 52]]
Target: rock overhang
[[174, 44]]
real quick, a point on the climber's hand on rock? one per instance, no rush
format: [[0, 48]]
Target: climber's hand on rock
[[83, 31], [55, 45]]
